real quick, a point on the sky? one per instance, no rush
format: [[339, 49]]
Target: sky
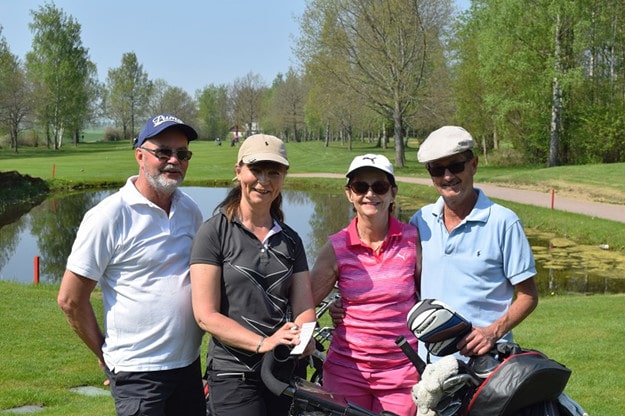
[[188, 43]]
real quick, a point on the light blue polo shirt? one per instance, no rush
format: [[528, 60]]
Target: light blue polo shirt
[[474, 268]]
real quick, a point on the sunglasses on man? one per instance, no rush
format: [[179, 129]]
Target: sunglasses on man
[[163, 154], [455, 168]]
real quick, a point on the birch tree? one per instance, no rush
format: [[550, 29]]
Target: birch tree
[[59, 67]]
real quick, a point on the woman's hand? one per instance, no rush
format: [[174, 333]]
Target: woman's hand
[[287, 335]]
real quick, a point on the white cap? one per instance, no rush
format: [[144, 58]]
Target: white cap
[[371, 161], [444, 142]]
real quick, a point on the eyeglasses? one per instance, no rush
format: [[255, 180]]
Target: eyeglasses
[[163, 153], [378, 187], [454, 168]]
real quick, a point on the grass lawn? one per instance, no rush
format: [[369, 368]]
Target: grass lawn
[[95, 162], [42, 358], [100, 164]]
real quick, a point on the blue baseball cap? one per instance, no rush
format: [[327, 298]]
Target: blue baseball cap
[[159, 123]]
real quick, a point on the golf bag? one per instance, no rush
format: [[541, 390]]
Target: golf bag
[[507, 381]]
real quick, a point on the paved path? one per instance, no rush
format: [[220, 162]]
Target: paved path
[[612, 212]]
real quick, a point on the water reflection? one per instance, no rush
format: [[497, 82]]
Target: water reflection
[[49, 229]]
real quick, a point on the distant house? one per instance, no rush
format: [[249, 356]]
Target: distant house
[[244, 131]]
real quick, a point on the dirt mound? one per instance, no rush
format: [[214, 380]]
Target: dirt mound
[[18, 194]]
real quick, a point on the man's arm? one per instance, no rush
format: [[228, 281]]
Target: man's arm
[[481, 340], [74, 299]]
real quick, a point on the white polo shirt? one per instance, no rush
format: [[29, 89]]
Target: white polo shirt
[[140, 257]]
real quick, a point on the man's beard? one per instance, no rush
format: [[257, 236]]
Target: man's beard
[[163, 185]]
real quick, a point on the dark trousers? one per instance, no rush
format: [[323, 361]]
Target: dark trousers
[[243, 394], [159, 393]]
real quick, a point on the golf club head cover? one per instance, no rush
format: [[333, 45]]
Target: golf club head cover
[[438, 326]]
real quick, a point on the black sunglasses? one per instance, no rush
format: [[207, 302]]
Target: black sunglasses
[[163, 154], [454, 168], [378, 187]]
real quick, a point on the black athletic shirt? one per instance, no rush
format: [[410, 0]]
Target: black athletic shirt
[[256, 281]]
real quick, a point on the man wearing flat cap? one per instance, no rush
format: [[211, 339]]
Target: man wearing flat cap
[[476, 256], [136, 244]]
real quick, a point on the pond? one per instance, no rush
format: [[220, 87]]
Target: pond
[[48, 230]]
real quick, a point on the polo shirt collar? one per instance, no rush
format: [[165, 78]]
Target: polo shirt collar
[[275, 229], [479, 213], [394, 229], [134, 197]]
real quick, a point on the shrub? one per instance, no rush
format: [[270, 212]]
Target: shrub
[[506, 157], [112, 134]]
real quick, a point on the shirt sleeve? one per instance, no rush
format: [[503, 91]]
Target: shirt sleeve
[[207, 243], [94, 245], [519, 263]]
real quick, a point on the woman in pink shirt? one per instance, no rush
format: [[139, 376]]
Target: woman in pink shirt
[[375, 263]]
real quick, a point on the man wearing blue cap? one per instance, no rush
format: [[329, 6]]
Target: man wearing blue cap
[[136, 245]]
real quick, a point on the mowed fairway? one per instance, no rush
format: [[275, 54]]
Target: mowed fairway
[[42, 358]]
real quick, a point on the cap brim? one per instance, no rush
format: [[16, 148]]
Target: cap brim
[[188, 131], [264, 157]]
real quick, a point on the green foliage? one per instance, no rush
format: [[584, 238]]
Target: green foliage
[[606, 127], [61, 71], [129, 89], [510, 56], [175, 100], [379, 52], [213, 121], [287, 100], [14, 94], [546, 78]]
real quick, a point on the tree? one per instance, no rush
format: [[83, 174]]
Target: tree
[[172, 100], [128, 91], [15, 95], [287, 103], [59, 67], [90, 95], [547, 76], [246, 96], [213, 118], [379, 50]]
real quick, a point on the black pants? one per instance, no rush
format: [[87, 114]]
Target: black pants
[[243, 394], [159, 393]]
